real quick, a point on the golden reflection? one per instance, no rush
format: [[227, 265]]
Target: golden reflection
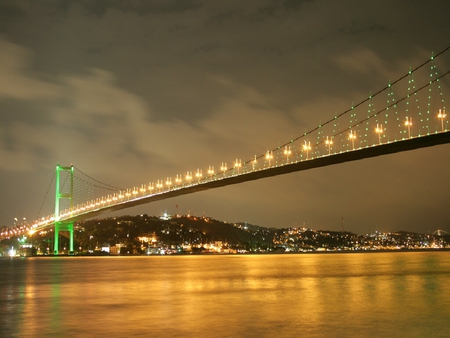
[[234, 295]]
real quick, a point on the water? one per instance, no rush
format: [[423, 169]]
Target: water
[[310, 295]]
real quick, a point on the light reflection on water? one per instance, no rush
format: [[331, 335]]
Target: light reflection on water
[[311, 295]]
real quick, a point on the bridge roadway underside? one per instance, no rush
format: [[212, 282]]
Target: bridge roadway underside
[[379, 150]]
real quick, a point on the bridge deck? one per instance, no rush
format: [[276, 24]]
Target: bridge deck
[[354, 155]]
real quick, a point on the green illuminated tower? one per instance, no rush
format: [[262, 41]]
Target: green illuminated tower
[[63, 191]]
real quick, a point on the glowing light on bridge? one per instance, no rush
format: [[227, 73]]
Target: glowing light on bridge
[[307, 148], [352, 137], [189, 176], [408, 124], [442, 115], [287, 151], [199, 174], [178, 179], [169, 182], [238, 165], [269, 156], [223, 168], [379, 131], [329, 143]]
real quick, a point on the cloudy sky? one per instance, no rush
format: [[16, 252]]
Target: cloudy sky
[[134, 91]]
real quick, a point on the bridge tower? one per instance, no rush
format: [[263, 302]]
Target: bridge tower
[[64, 191]]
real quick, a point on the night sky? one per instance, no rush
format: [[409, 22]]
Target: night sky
[[135, 91]]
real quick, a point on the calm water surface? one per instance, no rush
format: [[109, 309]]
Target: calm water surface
[[309, 295]]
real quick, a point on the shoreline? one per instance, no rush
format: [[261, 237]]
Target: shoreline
[[239, 254]]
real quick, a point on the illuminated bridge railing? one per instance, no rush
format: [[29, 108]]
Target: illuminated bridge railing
[[411, 107]]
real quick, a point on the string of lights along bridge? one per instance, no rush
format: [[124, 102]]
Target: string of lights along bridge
[[407, 113]]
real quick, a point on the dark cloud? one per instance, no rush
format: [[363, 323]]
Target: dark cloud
[[155, 88]]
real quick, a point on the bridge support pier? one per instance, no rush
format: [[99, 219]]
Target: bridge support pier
[[59, 226]]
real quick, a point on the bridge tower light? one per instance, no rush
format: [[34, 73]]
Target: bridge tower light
[[254, 163], [211, 170], [442, 115], [379, 131], [408, 124], [328, 143]]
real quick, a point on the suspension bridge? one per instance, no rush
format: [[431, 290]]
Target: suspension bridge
[[408, 113]]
